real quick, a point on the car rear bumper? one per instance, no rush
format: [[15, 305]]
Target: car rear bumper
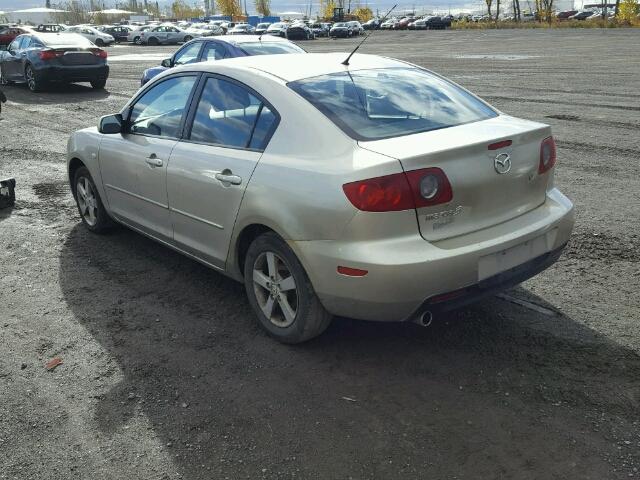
[[73, 73], [407, 276]]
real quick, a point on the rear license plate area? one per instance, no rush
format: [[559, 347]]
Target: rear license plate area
[[503, 260]]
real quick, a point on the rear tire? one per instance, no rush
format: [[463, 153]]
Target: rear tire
[[188, 38], [33, 82], [98, 84], [94, 215], [277, 285], [137, 41]]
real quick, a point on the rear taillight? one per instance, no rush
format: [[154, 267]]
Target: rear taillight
[[547, 155], [401, 191], [47, 54], [98, 52]]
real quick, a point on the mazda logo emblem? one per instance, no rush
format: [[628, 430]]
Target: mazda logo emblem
[[502, 163]]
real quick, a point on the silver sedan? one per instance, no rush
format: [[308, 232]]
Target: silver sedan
[[362, 187]]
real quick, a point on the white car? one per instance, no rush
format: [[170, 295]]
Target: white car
[[205, 29], [99, 38], [134, 35], [166, 34], [364, 187]]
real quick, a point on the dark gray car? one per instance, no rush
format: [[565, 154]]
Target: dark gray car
[[42, 58]]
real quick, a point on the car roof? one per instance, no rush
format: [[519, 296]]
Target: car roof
[[294, 67], [236, 39]]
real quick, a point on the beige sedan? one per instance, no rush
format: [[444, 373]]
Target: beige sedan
[[369, 188]]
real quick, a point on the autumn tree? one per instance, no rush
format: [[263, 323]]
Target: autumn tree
[[263, 7], [628, 10], [229, 7], [489, 3], [364, 14], [327, 8], [180, 9]]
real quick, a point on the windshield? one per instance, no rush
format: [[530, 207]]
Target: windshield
[[275, 26], [340, 25], [269, 48], [391, 102]]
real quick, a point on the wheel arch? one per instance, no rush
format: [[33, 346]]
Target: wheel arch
[[74, 164]]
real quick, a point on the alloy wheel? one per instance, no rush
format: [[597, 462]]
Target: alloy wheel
[[31, 79], [87, 201], [275, 289]]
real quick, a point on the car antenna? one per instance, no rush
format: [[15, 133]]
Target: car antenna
[[346, 62]]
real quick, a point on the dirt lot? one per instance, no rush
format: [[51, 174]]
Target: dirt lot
[[166, 374]]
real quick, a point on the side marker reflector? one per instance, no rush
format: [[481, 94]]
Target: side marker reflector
[[352, 272]]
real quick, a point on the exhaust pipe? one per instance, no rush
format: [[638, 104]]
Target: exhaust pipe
[[425, 319]]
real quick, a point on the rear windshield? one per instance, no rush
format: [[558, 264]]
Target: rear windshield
[[270, 48], [64, 39], [391, 102]]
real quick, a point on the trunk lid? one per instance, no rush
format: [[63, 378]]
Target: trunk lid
[[482, 196], [76, 56]]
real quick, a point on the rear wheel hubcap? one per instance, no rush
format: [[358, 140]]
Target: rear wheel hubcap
[[275, 288]]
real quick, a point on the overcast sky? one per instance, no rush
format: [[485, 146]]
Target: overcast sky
[[295, 5]]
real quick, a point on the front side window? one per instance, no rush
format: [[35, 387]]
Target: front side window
[[188, 54], [230, 116], [24, 42], [391, 102], [160, 110], [14, 45]]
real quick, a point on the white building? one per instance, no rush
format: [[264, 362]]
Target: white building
[[35, 16]]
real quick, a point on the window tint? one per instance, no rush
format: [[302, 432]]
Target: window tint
[[24, 42], [188, 54], [160, 110], [214, 51], [392, 102], [227, 115]]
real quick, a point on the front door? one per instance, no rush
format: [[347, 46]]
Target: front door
[[12, 64], [209, 170], [134, 164]]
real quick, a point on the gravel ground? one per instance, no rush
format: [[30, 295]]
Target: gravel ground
[[166, 375]]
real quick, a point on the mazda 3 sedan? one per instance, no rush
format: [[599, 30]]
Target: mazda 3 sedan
[[375, 190]]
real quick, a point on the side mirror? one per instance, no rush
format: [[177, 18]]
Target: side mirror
[[166, 63], [111, 124]]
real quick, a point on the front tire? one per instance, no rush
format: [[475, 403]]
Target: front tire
[[99, 42], [188, 38], [281, 293], [94, 215]]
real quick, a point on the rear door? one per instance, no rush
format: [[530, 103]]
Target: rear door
[[209, 170], [134, 164]]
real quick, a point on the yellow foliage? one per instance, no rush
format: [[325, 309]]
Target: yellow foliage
[[181, 10], [327, 8], [628, 10], [229, 7], [364, 14]]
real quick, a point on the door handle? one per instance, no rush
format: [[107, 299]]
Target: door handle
[[153, 160], [227, 177]]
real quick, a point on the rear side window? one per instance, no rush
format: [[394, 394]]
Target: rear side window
[[270, 48], [392, 102], [229, 115], [160, 110], [213, 51], [188, 54]]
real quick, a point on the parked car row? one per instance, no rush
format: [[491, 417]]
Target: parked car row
[[427, 22]]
